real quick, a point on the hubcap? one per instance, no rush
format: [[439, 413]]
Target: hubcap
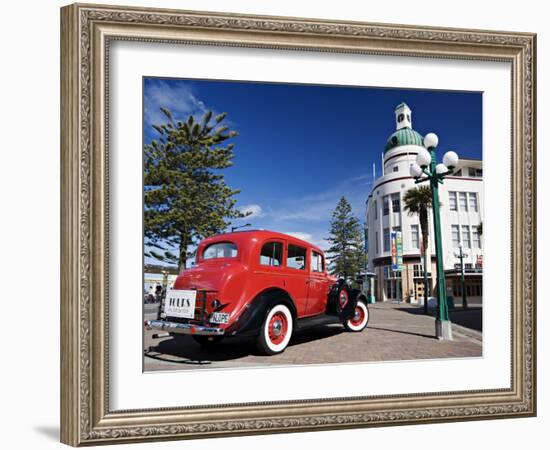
[[278, 327], [358, 316]]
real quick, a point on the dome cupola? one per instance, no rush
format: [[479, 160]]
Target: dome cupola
[[404, 134], [402, 116]]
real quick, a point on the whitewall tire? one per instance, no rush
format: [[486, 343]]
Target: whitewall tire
[[360, 318], [276, 330]]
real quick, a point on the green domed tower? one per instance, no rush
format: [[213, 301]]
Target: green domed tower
[[404, 134]]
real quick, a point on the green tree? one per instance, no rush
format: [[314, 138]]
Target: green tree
[[418, 201], [186, 197], [347, 246]]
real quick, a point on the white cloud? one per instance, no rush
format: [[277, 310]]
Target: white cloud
[[254, 210], [177, 97], [299, 235], [320, 206]]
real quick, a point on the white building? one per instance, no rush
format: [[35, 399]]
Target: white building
[[461, 198]]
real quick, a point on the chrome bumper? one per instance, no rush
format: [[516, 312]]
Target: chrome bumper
[[182, 328]]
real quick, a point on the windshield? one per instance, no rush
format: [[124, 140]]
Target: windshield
[[220, 250]]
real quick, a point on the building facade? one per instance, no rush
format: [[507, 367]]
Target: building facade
[[461, 198]]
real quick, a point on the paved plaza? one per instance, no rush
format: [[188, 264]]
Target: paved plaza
[[395, 332]]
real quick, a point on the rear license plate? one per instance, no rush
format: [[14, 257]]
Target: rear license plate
[[180, 303], [219, 317]]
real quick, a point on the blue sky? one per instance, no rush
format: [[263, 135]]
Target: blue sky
[[301, 147]]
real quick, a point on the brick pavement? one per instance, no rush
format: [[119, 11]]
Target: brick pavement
[[395, 332]]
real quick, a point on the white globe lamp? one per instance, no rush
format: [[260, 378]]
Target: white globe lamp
[[431, 140], [450, 159], [441, 169], [415, 170], [423, 158]]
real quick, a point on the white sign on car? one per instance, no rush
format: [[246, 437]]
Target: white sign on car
[[180, 303]]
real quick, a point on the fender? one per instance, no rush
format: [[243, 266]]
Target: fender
[[251, 319], [333, 305]]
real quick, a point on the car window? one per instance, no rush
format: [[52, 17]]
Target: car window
[[272, 254], [296, 257], [220, 250], [317, 264]]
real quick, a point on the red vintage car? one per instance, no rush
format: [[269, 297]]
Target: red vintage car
[[258, 283]]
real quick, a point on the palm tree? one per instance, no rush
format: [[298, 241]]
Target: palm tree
[[418, 201]]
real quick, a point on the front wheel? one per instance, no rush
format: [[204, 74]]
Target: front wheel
[[360, 318], [276, 331]]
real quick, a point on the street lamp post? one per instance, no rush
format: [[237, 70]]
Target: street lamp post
[[461, 255], [426, 169], [241, 226]]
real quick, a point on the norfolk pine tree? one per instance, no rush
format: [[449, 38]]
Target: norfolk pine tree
[[347, 247], [186, 197]]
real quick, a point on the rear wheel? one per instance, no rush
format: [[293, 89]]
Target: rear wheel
[[276, 330], [207, 341], [360, 318]]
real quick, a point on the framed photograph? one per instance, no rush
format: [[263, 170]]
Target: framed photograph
[[278, 225]]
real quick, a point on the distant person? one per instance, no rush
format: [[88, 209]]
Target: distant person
[[158, 293]]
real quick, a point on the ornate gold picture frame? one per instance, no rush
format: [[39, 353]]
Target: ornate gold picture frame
[[87, 31]]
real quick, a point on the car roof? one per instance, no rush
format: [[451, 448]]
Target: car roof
[[247, 235]]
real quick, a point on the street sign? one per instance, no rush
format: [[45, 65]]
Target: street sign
[[396, 251]]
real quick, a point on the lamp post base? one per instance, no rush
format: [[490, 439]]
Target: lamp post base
[[443, 330]]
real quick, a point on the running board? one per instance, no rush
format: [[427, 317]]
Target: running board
[[323, 319]]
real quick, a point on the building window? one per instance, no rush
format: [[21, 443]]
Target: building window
[[466, 236], [388, 273], [415, 237], [462, 201], [272, 254], [396, 168], [400, 117], [455, 233], [386, 205], [452, 201], [467, 266], [473, 172], [395, 203], [386, 239], [376, 240], [472, 197], [476, 237], [375, 210], [418, 271], [456, 289]]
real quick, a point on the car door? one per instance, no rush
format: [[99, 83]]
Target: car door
[[296, 275], [317, 284]]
